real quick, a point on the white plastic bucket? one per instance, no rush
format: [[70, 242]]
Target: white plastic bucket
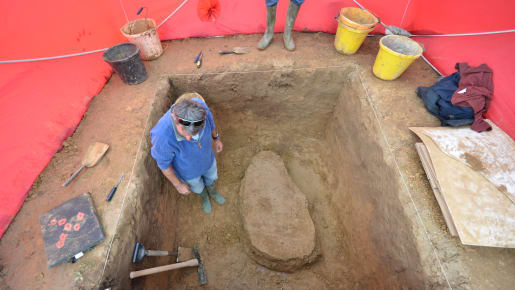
[[143, 33]]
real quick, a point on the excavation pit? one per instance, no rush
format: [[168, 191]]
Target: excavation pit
[[376, 220], [322, 126]]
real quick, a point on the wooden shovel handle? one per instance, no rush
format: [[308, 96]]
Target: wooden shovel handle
[[189, 263], [159, 253], [73, 175]]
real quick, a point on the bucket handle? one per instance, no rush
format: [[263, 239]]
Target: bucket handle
[[378, 18], [363, 8], [337, 18], [138, 13]]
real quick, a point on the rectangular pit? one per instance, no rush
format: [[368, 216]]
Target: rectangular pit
[[320, 123]]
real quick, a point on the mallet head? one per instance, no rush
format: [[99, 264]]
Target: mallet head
[[202, 278]]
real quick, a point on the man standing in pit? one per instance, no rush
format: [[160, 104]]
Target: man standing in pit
[[182, 147]]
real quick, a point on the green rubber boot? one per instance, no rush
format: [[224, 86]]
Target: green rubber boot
[[214, 194], [206, 204], [293, 10], [269, 33]]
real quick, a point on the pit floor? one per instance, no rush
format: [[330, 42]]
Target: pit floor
[[117, 115]]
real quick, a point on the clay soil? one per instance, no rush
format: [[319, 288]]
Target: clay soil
[[343, 135]]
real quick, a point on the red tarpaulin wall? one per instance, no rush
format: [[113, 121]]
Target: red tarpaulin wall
[[41, 103]]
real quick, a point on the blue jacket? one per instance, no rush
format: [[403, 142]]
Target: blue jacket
[[437, 100]]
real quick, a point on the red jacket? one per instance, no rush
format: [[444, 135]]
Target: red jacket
[[475, 90]]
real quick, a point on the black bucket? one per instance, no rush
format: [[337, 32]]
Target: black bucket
[[124, 58]]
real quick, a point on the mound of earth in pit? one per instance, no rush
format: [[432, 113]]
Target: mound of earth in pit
[[280, 231]]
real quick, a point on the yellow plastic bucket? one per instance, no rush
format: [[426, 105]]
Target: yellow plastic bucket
[[357, 18], [395, 55], [354, 24], [348, 40]]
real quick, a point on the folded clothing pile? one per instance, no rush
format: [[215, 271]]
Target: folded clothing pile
[[461, 98]]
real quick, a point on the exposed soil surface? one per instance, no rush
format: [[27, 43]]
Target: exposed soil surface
[[275, 216], [343, 135]]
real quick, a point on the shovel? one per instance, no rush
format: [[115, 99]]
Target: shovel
[[140, 252], [93, 155], [236, 50]]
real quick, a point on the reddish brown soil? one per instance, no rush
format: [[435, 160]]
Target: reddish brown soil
[[117, 117]]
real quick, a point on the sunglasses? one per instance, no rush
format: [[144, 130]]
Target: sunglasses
[[188, 123]]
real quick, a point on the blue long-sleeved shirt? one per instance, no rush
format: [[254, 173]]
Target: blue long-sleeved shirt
[[189, 159]]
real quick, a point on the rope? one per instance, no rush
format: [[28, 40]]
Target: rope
[[438, 35], [431, 65], [124, 12], [405, 10], [86, 52], [466, 34], [360, 6], [184, 2], [171, 14], [52, 57]]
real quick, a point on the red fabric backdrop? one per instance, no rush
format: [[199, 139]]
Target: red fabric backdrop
[[41, 103]]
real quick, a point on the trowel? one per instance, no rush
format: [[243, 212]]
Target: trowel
[[93, 155], [235, 50]]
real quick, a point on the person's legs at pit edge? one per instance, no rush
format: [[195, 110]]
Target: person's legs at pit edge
[[293, 10], [271, 7]]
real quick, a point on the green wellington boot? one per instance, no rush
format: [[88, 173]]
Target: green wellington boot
[[214, 194], [269, 33], [293, 10], [206, 204]]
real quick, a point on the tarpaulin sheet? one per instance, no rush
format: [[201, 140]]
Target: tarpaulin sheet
[[41, 103], [496, 51]]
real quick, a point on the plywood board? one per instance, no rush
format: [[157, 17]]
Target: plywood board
[[70, 228], [431, 176], [483, 215], [491, 153]]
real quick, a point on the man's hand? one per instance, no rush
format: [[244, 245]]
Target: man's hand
[[218, 146], [182, 188]]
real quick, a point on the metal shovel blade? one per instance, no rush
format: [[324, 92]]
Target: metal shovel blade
[[139, 252]]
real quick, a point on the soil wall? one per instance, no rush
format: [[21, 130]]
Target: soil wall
[[379, 241], [149, 214]]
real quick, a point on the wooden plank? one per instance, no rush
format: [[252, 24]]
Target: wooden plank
[[427, 164], [491, 153], [482, 215], [431, 176]]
